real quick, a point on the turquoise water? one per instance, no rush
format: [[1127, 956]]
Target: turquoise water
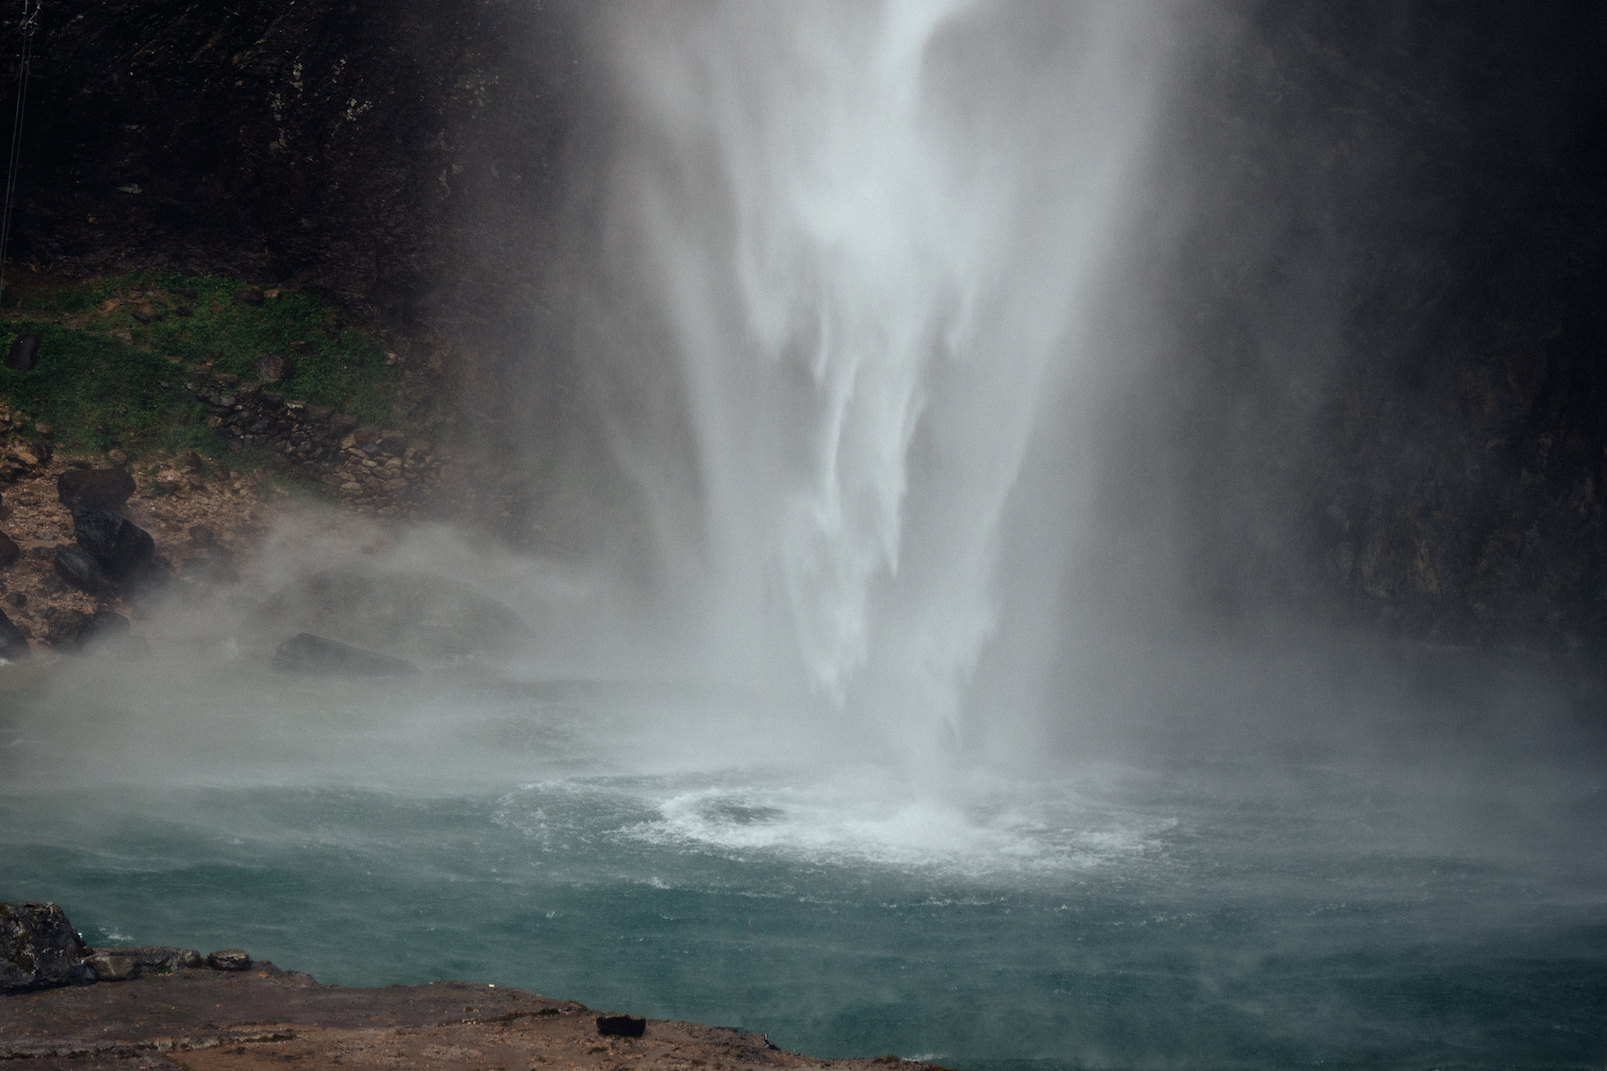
[[1253, 914]]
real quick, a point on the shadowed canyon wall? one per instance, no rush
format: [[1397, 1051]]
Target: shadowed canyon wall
[[1365, 381]]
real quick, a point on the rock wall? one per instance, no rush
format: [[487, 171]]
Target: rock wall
[[1378, 393], [1370, 388], [404, 157]]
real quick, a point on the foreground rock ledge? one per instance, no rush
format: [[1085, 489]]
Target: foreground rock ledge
[[268, 1018]]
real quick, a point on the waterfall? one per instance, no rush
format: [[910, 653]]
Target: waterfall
[[851, 250]]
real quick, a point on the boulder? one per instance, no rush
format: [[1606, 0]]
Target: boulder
[[77, 568], [122, 548], [426, 619], [274, 367], [13, 641], [112, 967], [39, 949], [249, 295], [81, 489], [103, 633], [316, 656], [9, 551], [229, 959], [621, 1026], [143, 960], [24, 353]]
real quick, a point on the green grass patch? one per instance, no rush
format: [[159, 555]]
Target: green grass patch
[[99, 393], [106, 378]]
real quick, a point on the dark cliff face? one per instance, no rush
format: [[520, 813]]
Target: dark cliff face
[[403, 155], [1374, 390], [1380, 392]]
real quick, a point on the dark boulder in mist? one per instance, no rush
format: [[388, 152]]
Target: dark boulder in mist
[[104, 633], [39, 949], [316, 656], [13, 641], [9, 551], [417, 616], [81, 489], [118, 545]]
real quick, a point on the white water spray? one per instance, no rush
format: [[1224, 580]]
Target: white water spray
[[867, 237]]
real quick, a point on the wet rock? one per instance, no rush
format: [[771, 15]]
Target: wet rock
[[24, 353], [621, 1026], [122, 548], [111, 967], [80, 570], [39, 949], [392, 442], [17, 599], [229, 959], [9, 551], [317, 656], [274, 367], [94, 488], [413, 615], [13, 641]]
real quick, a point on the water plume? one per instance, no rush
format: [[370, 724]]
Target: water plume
[[860, 244]]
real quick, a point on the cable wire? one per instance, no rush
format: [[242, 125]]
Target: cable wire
[[28, 26]]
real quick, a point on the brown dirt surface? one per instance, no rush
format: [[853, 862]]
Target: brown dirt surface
[[206, 1020], [191, 508]]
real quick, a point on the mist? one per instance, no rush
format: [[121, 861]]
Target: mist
[[996, 457]]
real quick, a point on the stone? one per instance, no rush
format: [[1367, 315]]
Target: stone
[[122, 548], [110, 967], [9, 551], [275, 367], [316, 656], [366, 435], [13, 641], [249, 295], [17, 599], [150, 959], [409, 614], [621, 1026], [75, 565], [24, 353], [392, 442], [229, 959], [94, 488], [39, 949]]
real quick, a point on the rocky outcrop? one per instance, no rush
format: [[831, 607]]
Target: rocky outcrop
[[40, 949]]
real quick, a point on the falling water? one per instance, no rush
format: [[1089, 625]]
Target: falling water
[[870, 236]]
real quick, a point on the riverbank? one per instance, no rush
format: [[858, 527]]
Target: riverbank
[[210, 1020]]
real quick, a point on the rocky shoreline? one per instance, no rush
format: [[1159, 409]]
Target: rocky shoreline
[[159, 1007]]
